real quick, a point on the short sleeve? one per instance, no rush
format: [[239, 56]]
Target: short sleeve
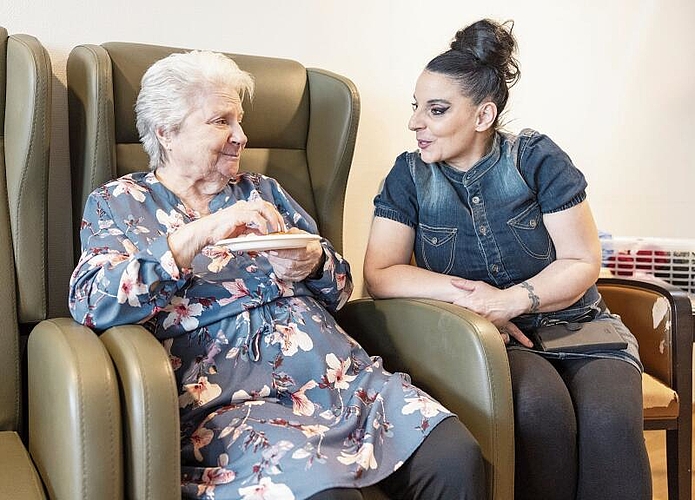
[[398, 197], [549, 171]]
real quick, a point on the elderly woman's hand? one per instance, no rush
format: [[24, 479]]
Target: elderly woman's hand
[[244, 217], [295, 264]]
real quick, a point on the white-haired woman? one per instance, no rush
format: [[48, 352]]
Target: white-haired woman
[[270, 386]]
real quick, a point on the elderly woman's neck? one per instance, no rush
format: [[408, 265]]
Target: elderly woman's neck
[[194, 193]]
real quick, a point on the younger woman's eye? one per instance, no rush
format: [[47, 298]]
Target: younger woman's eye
[[414, 106], [438, 111]]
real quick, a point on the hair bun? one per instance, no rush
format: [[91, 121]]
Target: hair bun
[[492, 45]]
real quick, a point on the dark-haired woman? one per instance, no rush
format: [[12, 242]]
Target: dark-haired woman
[[499, 224]]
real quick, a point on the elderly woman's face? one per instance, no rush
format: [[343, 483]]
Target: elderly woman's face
[[209, 142]]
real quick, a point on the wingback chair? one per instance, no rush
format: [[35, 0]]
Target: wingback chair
[[301, 127], [74, 427]]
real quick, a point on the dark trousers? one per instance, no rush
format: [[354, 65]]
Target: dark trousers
[[447, 465], [578, 429]]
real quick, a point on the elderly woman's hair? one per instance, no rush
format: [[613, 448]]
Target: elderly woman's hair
[[170, 89]]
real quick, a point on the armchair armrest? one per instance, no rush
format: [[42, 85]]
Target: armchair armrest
[[150, 400], [74, 412], [456, 356]]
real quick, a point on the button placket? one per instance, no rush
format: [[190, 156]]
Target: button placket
[[486, 237]]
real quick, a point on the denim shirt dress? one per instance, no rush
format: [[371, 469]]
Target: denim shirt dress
[[486, 223]]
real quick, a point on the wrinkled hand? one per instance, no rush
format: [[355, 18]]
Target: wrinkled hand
[[489, 302], [258, 216], [244, 217], [295, 264]]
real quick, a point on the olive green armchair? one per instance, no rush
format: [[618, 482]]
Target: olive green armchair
[[301, 126], [69, 380]]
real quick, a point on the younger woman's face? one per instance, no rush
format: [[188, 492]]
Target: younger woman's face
[[446, 122]]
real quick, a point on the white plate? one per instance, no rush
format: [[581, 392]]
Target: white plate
[[260, 243]]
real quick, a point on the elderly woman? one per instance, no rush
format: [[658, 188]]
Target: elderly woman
[[272, 391]]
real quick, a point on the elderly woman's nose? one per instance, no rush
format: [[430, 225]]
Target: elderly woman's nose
[[237, 134]]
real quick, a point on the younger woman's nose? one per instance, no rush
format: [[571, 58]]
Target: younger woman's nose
[[414, 123]]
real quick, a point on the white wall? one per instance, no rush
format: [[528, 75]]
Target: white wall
[[611, 82]]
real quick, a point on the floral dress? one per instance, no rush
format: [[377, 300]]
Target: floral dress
[[276, 400]]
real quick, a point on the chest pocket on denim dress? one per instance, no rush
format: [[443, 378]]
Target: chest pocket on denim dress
[[530, 232], [437, 247]]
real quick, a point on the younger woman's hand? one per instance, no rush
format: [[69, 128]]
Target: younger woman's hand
[[509, 330], [491, 303]]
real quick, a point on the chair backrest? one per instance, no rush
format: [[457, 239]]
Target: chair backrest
[[301, 125], [25, 97], [656, 318]]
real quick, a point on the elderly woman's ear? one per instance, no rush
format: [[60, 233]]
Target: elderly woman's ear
[[164, 137]]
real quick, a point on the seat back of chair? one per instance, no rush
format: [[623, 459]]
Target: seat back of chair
[[25, 97], [655, 319], [301, 125]]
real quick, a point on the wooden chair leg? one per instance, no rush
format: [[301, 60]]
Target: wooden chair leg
[[679, 464]]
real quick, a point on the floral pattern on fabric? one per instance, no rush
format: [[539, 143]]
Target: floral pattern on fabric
[[270, 387]]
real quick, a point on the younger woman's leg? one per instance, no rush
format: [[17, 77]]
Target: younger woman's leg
[[613, 460], [545, 430], [447, 465]]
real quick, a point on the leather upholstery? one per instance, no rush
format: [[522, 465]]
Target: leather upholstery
[[660, 401], [151, 406], [74, 412], [20, 480], [24, 74], [24, 68], [456, 356], [661, 317], [71, 381], [27, 109]]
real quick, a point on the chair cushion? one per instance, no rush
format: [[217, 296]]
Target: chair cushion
[[18, 478], [660, 401]]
